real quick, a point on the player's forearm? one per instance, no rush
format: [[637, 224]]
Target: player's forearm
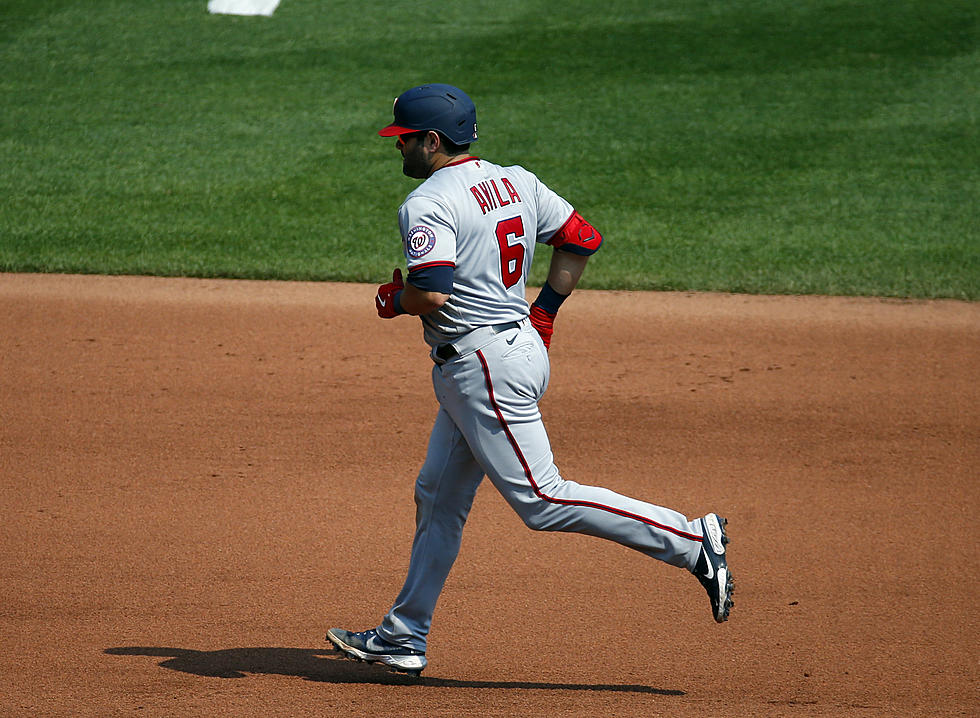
[[563, 275], [565, 271], [416, 301]]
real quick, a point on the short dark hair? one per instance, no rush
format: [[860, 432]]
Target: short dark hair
[[447, 144], [451, 147]]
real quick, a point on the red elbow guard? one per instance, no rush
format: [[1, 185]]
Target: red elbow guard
[[576, 236]]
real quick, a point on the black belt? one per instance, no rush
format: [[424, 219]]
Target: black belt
[[445, 352]]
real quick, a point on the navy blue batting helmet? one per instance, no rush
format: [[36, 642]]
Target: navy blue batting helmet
[[442, 108]]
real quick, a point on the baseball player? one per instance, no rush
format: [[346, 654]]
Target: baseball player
[[469, 232]]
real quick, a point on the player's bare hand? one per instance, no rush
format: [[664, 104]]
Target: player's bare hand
[[387, 299]]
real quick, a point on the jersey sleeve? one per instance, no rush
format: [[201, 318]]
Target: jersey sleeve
[[553, 211], [428, 235]]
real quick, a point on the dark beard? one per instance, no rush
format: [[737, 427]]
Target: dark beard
[[414, 165]]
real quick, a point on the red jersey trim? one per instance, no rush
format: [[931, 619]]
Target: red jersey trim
[[463, 161], [442, 263]]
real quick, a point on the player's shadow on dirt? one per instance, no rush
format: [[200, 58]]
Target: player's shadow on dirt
[[324, 665]]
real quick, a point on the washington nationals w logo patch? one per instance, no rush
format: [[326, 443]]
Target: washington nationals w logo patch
[[420, 241]]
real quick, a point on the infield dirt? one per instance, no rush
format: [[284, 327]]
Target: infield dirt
[[199, 477]]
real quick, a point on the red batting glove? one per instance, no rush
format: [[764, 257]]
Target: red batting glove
[[387, 299], [544, 322]]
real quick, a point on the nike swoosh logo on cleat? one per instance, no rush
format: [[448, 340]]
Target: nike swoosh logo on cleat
[[381, 301], [711, 570]]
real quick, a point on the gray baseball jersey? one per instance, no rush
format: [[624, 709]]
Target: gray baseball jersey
[[484, 221]]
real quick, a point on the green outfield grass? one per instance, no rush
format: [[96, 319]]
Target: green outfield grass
[[818, 146]]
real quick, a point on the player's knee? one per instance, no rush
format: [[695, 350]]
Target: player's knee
[[538, 512], [538, 520], [532, 521]]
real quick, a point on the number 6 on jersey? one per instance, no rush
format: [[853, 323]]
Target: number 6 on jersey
[[511, 255]]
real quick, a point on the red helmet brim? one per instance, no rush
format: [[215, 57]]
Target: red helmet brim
[[394, 131]]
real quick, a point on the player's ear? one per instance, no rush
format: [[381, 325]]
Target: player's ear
[[432, 141]]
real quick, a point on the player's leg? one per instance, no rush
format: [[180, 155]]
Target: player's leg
[[444, 493], [493, 399]]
